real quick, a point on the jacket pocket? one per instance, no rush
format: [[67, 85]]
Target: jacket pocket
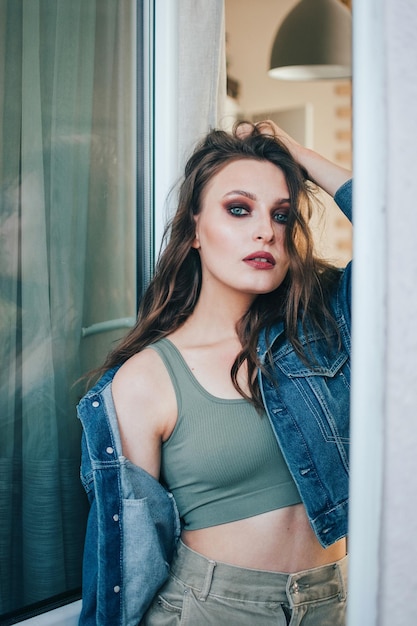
[[320, 389]]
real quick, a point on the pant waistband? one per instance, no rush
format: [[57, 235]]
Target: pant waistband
[[206, 576]]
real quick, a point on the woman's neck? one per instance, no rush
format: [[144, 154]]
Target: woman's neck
[[215, 320]]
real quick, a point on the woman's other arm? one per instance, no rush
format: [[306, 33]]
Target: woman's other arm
[[321, 171]]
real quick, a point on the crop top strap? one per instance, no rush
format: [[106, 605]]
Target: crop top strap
[[175, 365]]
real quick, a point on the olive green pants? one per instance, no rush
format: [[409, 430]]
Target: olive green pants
[[201, 592]]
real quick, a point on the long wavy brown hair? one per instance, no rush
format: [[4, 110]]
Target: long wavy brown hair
[[174, 289]]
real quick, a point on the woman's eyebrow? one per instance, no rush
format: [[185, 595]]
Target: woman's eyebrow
[[240, 192], [252, 196]]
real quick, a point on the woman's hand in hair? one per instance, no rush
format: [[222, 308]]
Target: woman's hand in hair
[[321, 171], [268, 127]]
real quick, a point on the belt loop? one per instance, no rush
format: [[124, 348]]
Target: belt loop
[[207, 581], [342, 585]]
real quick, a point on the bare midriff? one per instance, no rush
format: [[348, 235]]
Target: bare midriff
[[277, 541]]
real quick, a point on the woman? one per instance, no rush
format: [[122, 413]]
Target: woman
[[232, 391]]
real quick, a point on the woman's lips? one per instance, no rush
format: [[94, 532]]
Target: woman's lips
[[260, 260]]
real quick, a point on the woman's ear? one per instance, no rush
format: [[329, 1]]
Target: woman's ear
[[196, 242]]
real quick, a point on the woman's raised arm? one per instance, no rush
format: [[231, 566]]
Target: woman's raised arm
[[321, 171]]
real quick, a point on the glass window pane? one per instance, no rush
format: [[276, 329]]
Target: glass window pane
[[68, 202]]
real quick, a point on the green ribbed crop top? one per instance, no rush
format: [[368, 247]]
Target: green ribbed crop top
[[222, 462]]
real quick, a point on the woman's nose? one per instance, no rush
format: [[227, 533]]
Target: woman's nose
[[264, 231]]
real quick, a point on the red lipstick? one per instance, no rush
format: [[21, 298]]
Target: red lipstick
[[260, 260]]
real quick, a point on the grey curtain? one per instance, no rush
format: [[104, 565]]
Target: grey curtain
[[67, 163]]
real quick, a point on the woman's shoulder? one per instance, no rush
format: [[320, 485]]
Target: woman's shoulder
[[140, 373], [145, 405]]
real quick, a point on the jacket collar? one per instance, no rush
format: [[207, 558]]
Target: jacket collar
[[267, 338]]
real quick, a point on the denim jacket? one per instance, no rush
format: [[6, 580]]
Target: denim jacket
[[133, 524]]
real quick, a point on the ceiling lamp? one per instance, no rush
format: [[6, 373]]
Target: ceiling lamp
[[314, 42]]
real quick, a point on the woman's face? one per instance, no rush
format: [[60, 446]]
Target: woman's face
[[240, 230]]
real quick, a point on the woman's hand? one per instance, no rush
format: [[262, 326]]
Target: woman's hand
[[321, 171], [267, 127]]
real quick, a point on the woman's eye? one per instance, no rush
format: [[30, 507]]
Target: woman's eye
[[281, 218], [238, 210]]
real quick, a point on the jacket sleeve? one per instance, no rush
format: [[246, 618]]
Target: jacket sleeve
[[343, 198]]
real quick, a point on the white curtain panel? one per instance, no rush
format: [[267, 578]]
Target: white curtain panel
[[201, 70]]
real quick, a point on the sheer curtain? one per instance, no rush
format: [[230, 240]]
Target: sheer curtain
[[67, 145], [201, 71]]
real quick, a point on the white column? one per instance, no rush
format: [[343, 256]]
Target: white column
[[369, 312], [398, 593], [383, 521]]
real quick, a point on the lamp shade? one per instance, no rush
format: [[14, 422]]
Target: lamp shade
[[314, 42]]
